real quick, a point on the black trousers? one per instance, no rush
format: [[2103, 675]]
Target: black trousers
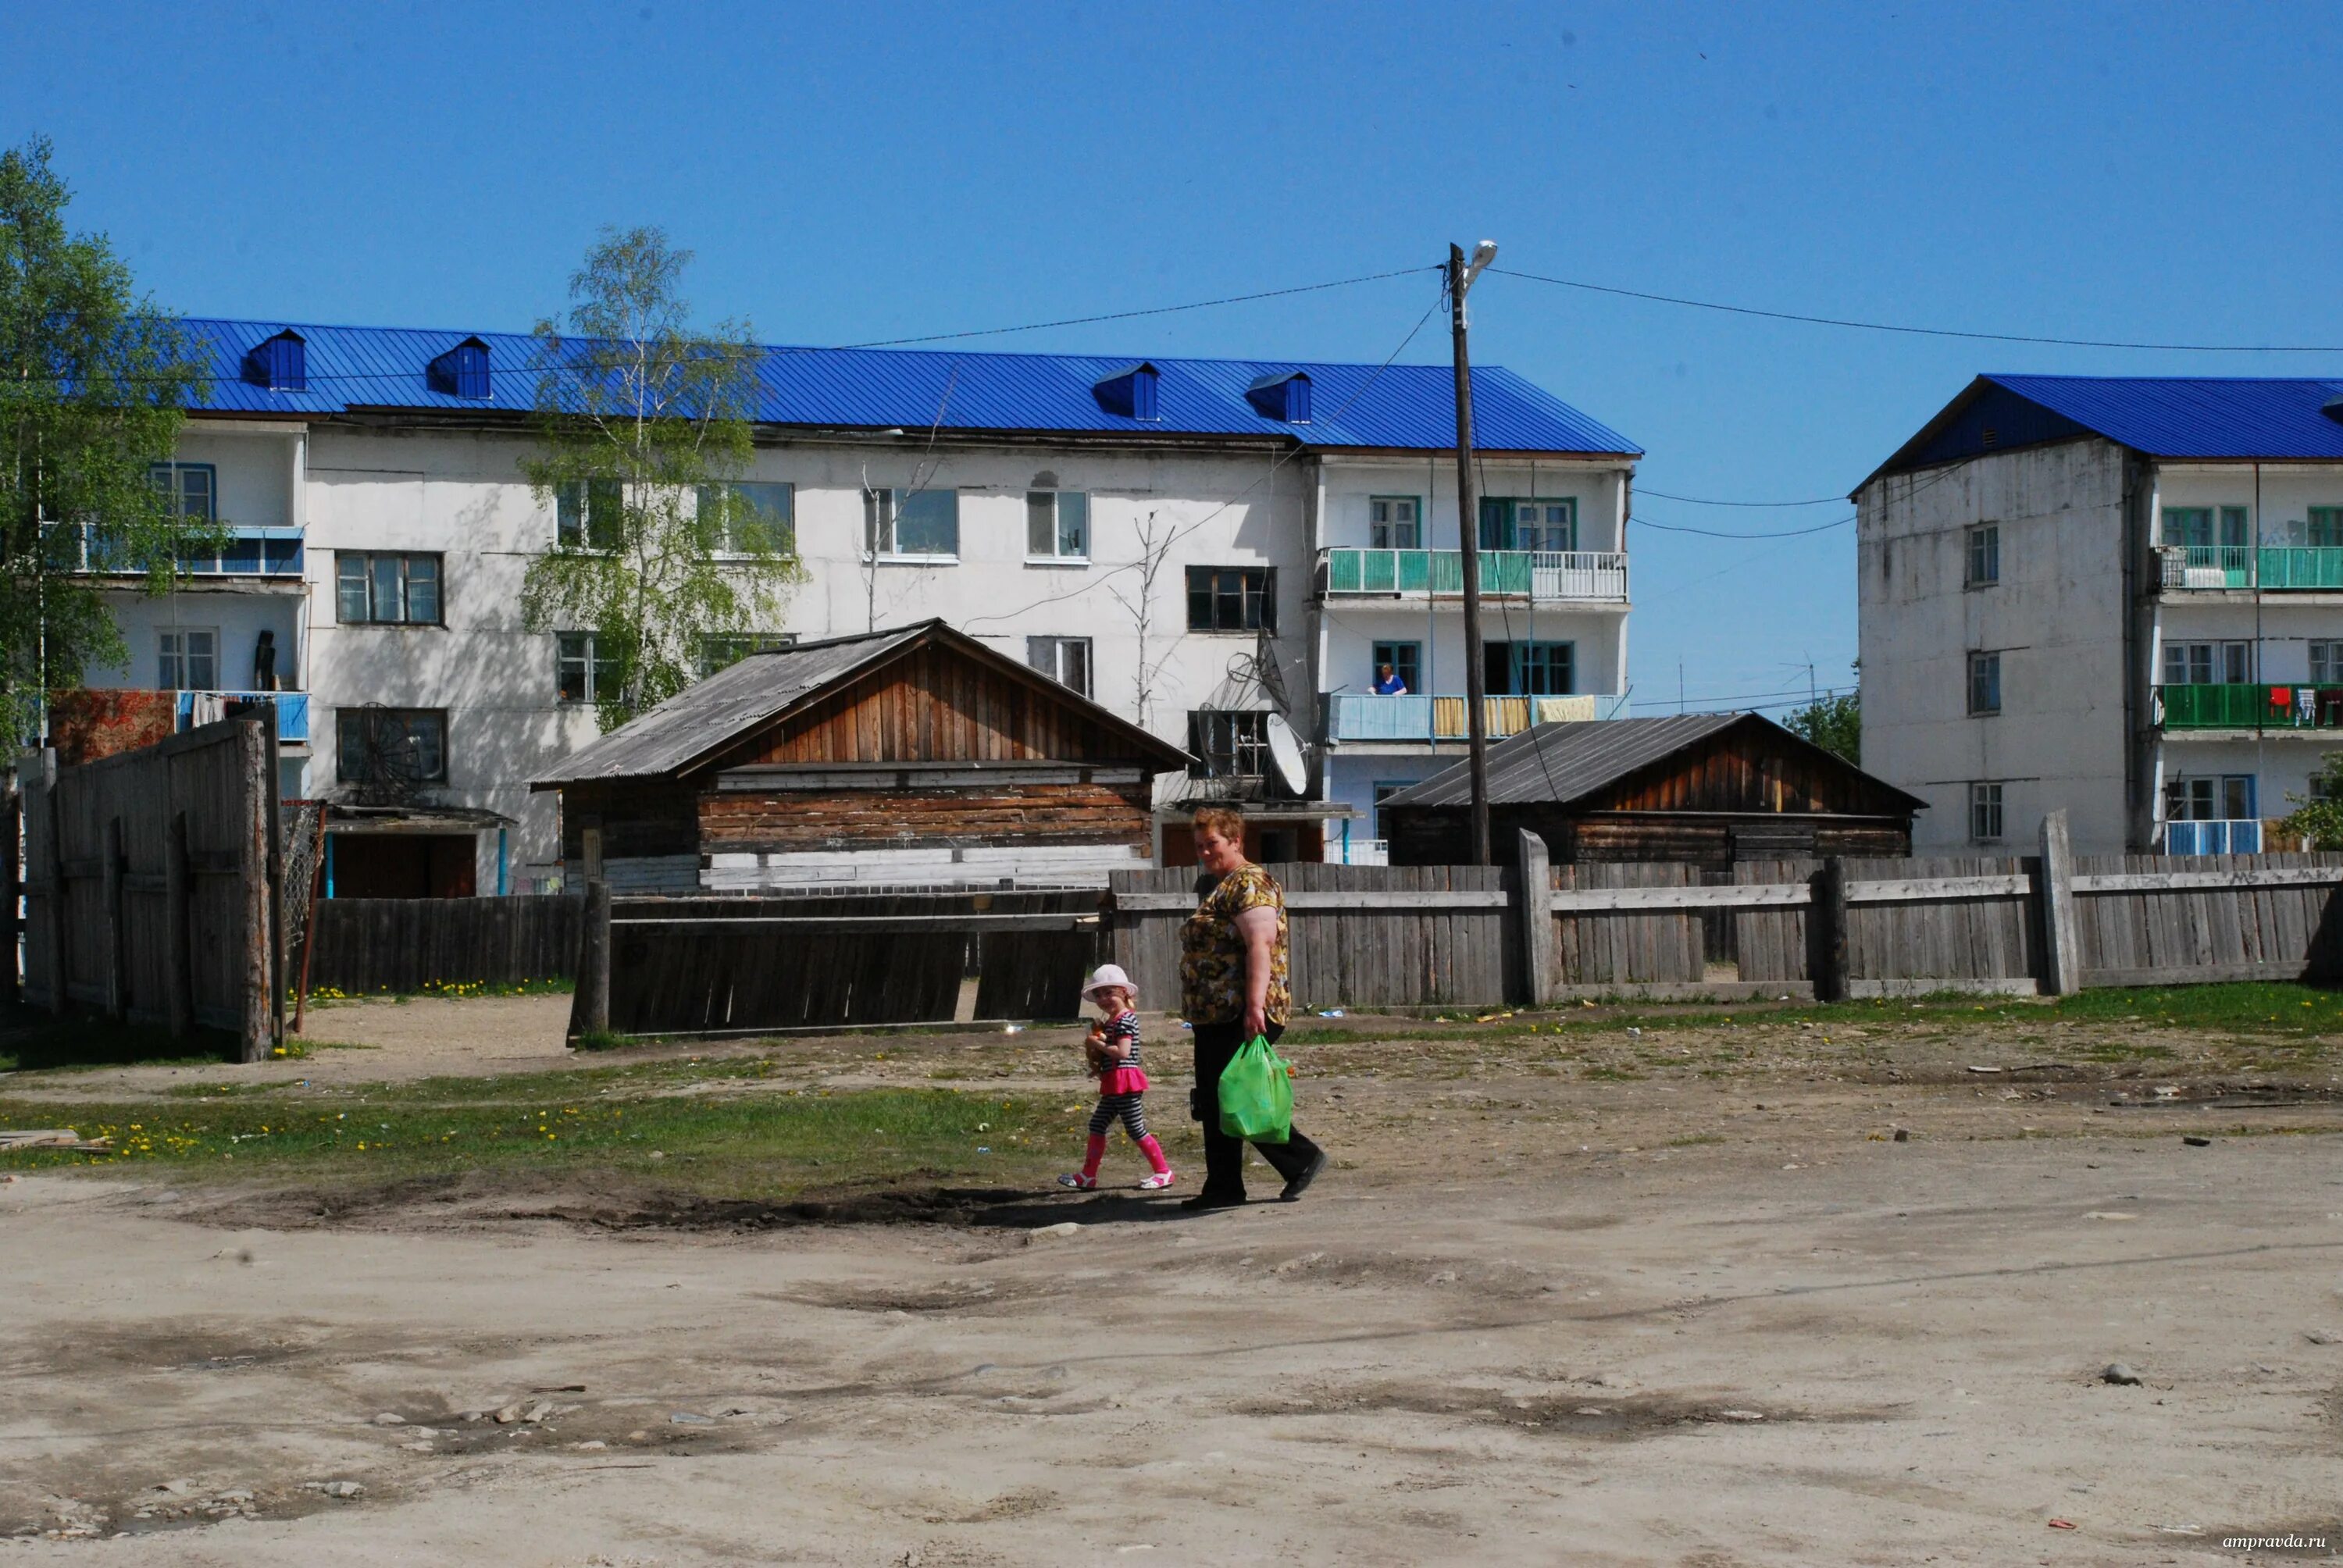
[[1216, 1043]]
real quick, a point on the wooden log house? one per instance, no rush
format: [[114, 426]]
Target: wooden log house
[[910, 757], [1707, 789]]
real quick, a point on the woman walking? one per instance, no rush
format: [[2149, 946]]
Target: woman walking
[[1233, 986]]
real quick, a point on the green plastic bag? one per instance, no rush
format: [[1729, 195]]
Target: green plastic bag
[[1257, 1094]]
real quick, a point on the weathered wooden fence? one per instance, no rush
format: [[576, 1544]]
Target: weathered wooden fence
[[150, 882], [364, 945], [734, 965]]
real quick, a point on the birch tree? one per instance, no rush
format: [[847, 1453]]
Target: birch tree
[[644, 433]]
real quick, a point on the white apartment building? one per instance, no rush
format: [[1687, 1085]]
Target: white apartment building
[[2121, 596], [1174, 537]]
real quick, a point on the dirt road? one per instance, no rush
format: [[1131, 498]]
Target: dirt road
[[1608, 1301]]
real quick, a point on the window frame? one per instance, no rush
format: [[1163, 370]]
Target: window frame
[[1988, 806], [1045, 512], [1523, 656], [2330, 518], [1057, 648], [1256, 606], [166, 661], [728, 546], [883, 515], [2164, 527], [578, 504], [601, 680], [1982, 557], [347, 719], [1984, 670], [165, 477], [2328, 651], [2225, 798], [1408, 667], [370, 579], [1385, 526]]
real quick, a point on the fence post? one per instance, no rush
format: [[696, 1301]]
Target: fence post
[[1827, 951], [117, 925], [60, 966], [259, 977], [2062, 956], [590, 1006], [179, 1002], [1536, 918]]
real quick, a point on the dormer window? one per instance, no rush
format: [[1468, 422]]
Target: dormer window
[[462, 371], [1130, 391], [1282, 396], [280, 363]]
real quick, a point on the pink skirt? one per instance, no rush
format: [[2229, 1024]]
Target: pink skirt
[[1123, 1080]]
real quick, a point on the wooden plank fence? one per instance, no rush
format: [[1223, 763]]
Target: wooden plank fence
[[367, 945], [151, 884]]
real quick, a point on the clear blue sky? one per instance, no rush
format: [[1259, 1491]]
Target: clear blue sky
[[853, 173]]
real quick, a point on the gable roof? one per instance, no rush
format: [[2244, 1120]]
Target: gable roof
[[1405, 406], [2175, 417], [703, 719], [1562, 764]]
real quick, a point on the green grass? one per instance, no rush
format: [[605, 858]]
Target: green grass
[[769, 1144], [328, 996]]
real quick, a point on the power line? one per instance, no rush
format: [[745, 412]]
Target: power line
[[1722, 534], [1154, 310], [1707, 501], [1922, 331]]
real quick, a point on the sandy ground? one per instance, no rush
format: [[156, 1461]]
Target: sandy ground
[[1673, 1319]]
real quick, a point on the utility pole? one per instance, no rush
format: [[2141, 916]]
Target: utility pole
[[1461, 275]]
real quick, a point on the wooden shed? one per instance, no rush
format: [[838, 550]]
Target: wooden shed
[[910, 757], [1707, 789]]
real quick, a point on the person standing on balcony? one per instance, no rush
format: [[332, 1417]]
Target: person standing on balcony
[[1233, 986], [1388, 682]]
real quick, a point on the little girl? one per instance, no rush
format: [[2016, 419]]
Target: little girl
[[1112, 1050]]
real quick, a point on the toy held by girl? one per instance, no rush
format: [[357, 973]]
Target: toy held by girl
[[1112, 1050]]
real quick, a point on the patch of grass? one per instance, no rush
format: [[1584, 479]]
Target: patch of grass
[[775, 1144], [330, 995]]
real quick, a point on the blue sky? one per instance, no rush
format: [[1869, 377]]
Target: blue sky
[[850, 173]]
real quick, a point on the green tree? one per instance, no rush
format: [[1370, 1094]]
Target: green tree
[[645, 434], [2319, 816], [94, 380], [1833, 723]]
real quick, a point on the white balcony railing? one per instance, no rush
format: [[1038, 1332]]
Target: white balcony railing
[[1546, 577], [1346, 851]]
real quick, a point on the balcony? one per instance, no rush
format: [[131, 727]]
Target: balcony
[[1355, 716], [292, 710], [2215, 838], [1345, 851], [2273, 569], [1541, 577], [248, 551], [2256, 707]]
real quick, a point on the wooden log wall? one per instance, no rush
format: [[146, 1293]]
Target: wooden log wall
[[402, 945], [150, 885], [785, 821]]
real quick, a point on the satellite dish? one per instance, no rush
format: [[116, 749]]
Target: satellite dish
[[1286, 752]]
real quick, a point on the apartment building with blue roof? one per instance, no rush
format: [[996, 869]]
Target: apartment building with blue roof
[[1214, 549], [2119, 594]]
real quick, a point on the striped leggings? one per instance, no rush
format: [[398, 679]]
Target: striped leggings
[[1122, 1108]]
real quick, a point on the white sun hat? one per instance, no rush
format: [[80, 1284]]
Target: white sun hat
[[1106, 975]]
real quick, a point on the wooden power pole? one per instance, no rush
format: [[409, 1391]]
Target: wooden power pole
[[1468, 542]]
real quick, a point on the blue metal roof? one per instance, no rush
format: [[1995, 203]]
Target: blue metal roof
[[1410, 407], [2176, 417]]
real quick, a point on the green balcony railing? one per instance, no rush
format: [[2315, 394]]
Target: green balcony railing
[[2255, 706], [2301, 567], [1533, 574], [2274, 568]]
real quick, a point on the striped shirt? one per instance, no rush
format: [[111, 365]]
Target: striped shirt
[[1124, 1027]]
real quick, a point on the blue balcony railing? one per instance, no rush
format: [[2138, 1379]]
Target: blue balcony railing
[[1357, 716], [247, 551], [2214, 837], [292, 710]]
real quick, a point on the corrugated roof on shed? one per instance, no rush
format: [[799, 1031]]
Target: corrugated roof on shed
[[1405, 406], [1559, 763]]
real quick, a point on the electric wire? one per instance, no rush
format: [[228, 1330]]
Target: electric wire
[[1725, 534], [1710, 501]]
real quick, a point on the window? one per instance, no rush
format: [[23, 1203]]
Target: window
[[1232, 598], [758, 518], [1066, 659], [1509, 523], [2327, 526], [189, 489], [583, 672], [2229, 797], [2194, 526], [1984, 684], [1540, 668], [1984, 555], [2325, 786], [590, 515], [1383, 793], [2326, 664], [371, 589], [386, 745], [1985, 812], [188, 659], [721, 650], [1228, 745], [1406, 660], [1057, 525], [1394, 523], [920, 524], [2208, 663]]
